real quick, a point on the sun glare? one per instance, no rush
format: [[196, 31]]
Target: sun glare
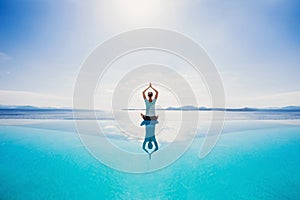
[[137, 10], [132, 12]]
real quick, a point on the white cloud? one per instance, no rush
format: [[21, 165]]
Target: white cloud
[[268, 100], [4, 56], [10, 97], [279, 99]]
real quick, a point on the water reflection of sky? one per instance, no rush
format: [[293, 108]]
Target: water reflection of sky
[[166, 130]]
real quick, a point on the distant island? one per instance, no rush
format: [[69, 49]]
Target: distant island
[[28, 107], [35, 108]]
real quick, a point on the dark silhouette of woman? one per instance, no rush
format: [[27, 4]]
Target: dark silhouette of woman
[[150, 137]]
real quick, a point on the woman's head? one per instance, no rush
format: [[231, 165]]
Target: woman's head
[[150, 94], [150, 145]]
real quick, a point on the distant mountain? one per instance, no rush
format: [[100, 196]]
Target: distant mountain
[[182, 108], [245, 109], [291, 108], [209, 109], [26, 107], [35, 108]]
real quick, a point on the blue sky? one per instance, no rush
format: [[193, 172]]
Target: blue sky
[[254, 44]]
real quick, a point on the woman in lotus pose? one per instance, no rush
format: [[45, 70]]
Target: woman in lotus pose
[[150, 104]]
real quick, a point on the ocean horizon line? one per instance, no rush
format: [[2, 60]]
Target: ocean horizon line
[[182, 108]]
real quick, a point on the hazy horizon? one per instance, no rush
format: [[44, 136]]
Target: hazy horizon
[[161, 108]]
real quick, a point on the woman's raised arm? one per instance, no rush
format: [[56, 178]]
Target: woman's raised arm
[[144, 92], [156, 92]]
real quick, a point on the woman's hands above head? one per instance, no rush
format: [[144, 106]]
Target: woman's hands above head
[[144, 95], [156, 92], [150, 86]]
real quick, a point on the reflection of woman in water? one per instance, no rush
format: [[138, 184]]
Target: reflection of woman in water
[[150, 104], [150, 136]]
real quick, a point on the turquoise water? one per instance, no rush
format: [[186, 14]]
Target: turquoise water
[[257, 161]]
